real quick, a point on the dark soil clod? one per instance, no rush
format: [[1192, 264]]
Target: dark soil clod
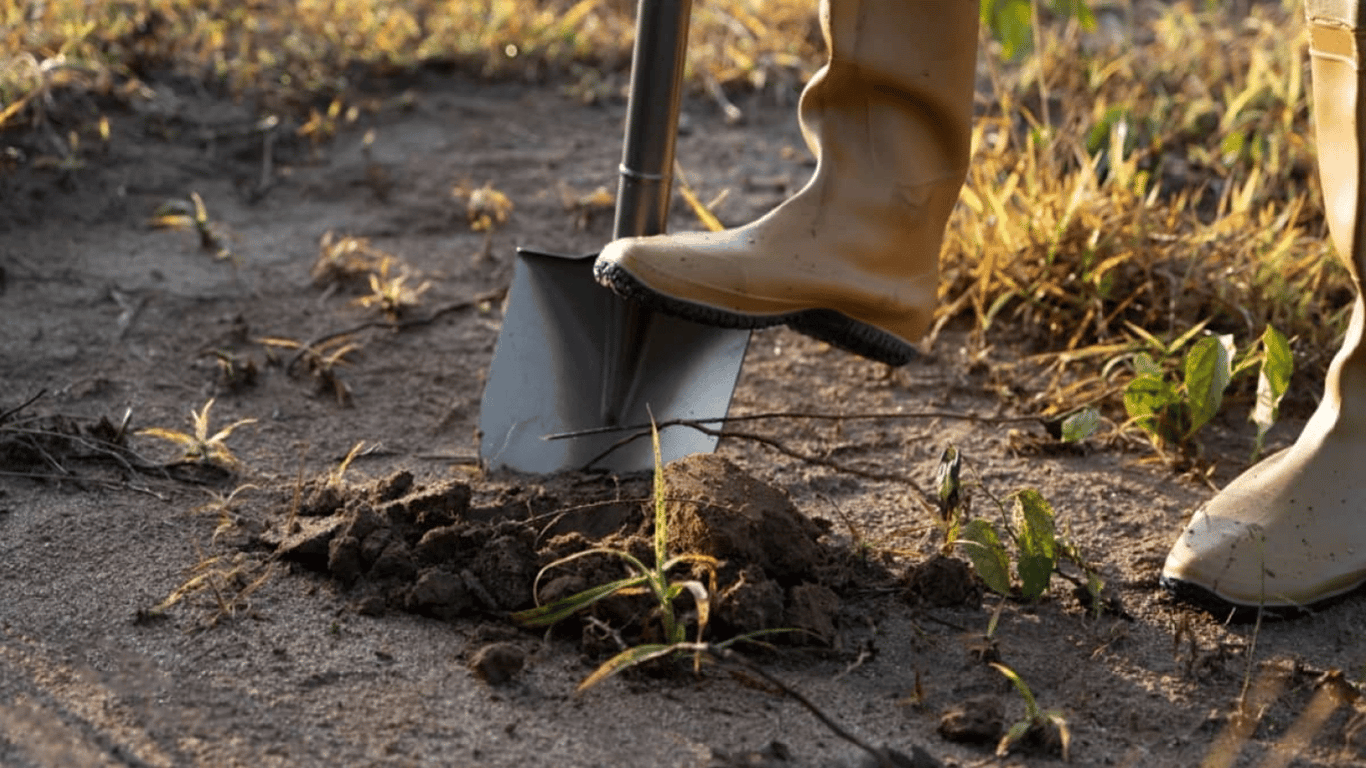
[[943, 582], [979, 720], [498, 663]]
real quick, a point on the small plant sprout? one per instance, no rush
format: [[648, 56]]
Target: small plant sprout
[[322, 126], [192, 214], [1031, 527], [587, 206], [222, 505], [1173, 412], [390, 293], [486, 208], [337, 475], [1032, 532], [1080, 425], [230, 580], [652, 580], [235, 372], [1048, 728], [345, 259], [321, 361], [200, 447], [952, 503]]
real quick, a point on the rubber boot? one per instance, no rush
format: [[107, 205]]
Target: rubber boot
[[1291, 531], [852, 258]]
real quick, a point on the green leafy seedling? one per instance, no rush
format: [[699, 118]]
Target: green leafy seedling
[[1080, 425], [390, 293], [1035, 538], [1050, 727], [192, 214], [1172, 413]]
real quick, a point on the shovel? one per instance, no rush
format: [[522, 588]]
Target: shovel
[[573, 357]]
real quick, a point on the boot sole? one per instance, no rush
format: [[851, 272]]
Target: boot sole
[[1222, 608], [825, 325]]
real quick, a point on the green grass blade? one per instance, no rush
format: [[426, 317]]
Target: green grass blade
[[630, 559], [627, 659], [550, 613], [1031, 706]]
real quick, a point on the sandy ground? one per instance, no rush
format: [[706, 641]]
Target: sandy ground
[[107, 316]]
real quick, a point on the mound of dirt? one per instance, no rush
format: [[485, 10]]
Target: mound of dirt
[[397, 545]]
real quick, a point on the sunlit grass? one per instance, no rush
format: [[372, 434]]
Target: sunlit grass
[[1171, 181]]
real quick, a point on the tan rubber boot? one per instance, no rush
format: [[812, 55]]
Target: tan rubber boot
[[1291, 531], [851, 259]]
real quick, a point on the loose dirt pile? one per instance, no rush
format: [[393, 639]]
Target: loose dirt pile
[[396, 545]]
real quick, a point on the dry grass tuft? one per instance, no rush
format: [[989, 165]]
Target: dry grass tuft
[[1170, 183]]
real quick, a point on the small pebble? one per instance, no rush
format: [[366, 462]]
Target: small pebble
[[497, 663]]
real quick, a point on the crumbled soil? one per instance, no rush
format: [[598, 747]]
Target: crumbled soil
[[166, 613], [394, 545]]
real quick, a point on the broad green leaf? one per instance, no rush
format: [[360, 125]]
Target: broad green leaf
[[1232, 145], [1080, 425], [1145, 396], [1037, 542], [1208, 368], [987, 554], [1009, 21], [1272, 381], [1077, 9], [1145, 365]]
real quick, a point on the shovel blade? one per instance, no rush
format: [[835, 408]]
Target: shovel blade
[[559, 367]]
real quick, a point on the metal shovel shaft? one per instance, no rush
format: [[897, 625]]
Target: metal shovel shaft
[[646, 175]]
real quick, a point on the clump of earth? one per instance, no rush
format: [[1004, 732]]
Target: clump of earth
[[397, 545]]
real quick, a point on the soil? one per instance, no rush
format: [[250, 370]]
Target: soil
[[160, 612]]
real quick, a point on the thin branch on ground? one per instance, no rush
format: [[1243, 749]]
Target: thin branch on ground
[[394, 325], [727, 656], [771, 443], [74, 478], [814, 416], [16, 409]]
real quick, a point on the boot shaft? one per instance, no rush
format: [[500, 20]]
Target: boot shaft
[[890, 60], [1335, 49]]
